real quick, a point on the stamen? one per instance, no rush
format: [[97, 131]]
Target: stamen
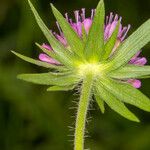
[[123, 30], [107, 18], [70, 21], [111, 18], [92, 13], [126, 29], [67, 18], [83, 14], [116, 18], [61, 33], [120, 19], [77, 17]]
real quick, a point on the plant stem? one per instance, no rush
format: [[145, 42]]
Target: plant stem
[[82, 112]]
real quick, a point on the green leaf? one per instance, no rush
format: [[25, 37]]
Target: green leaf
[[37, 62], [131, 71], [111, 42], [95, 43], [99, 101], [50, 79], [115, 104], [144, 77], [84, 34], [58, 48], [131, 46], [128, 94], [73, 39], [61, 88]]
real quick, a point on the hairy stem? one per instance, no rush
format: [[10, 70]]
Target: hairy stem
[[82, 112]]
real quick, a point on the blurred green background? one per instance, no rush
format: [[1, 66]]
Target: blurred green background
[[33, 119]]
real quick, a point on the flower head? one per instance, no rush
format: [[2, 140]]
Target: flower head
[[94, 50], [109, 27]]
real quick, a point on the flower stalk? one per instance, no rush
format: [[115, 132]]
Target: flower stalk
[[82, 112]]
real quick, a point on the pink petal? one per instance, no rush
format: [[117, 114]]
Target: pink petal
[[79, 28], [106, 32], [135, 57], [61, 39], [46, 58], [124, 32], [135, 83], [140, 61], [74, 26], [46, 46], [112, 28], [87, 25]]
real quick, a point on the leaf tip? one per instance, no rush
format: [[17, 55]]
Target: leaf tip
[[48, 90], [13, 52], [30, 3], [52, 6], [137, 120], [19, 76], [101, 3], [103, 111], [37, 44]]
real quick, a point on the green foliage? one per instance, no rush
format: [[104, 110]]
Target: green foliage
[[94, 48], [84, 35], [50, 79], [131, 71], [99, 101], [61, 88], [128, 94], [36, 62], [114, 103]]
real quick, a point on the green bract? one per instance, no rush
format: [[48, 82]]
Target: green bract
[[87, 62]]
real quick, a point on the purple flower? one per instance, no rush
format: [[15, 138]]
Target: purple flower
[[110, 25]]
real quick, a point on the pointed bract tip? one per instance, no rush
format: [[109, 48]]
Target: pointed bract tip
[[48, 90], [19, 76], [101, 2], [37, 44], [100, 6], [134, 118], [52, 6], [12, 51], [102, 111], [30, 3], [15, 53], [137, 120]]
